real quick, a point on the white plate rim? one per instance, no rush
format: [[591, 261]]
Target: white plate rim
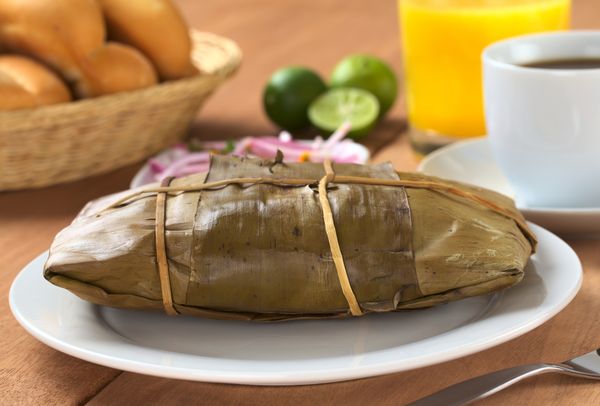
[[292, 378], [477, 141]]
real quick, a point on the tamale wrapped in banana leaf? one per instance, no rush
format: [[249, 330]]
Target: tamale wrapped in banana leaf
[[265, 240]]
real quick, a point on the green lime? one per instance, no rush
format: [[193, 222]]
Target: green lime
[[330, 110], [288, 94], [368, 73]]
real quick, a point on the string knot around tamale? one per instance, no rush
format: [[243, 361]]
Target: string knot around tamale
[[265, 240]]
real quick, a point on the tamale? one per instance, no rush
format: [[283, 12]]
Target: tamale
[[248, 240]]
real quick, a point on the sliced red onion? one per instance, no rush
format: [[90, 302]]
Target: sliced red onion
[[338, 135], [335, 147], [317, 142], [156, 166], [285, 136], [242, 146], [190, 159]]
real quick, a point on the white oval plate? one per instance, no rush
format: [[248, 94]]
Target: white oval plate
[[296, 352], [471, 161], [145, 175]]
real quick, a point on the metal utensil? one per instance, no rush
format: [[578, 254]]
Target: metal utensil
[[585, 366]]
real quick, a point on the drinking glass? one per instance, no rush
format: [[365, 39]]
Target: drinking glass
[[442, 41]]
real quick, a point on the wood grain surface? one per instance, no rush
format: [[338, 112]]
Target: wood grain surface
[[273, 33]]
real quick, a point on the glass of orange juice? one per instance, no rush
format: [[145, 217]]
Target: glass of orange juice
[[442, 41]]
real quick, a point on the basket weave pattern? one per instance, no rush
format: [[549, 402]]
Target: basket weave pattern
[[65, 142]]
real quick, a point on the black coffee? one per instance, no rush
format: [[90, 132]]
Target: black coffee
[[581, 63]]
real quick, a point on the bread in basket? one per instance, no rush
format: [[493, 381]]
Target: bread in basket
[[64, 142]]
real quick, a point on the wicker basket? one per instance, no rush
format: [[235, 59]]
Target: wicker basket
[[65, 142]]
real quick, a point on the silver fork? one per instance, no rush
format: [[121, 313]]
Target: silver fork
[[585, 366]]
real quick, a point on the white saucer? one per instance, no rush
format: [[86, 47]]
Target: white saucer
[[295, 352], [471, 161]]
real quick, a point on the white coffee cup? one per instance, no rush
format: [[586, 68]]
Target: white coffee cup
[[544, 124]]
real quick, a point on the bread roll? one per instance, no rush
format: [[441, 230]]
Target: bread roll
[[57, 32], [156, 28], [25, 83], [116, 68], [12, 95], [69, 36]]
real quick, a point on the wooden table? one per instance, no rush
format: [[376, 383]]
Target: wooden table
[[275, 33]]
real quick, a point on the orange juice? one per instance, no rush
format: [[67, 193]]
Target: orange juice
[[442, 42]]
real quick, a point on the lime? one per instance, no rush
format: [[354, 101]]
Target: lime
[[288, 94], [330, 110], [368, 73]]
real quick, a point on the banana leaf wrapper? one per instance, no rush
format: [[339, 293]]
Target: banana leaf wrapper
[[260, 251]]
